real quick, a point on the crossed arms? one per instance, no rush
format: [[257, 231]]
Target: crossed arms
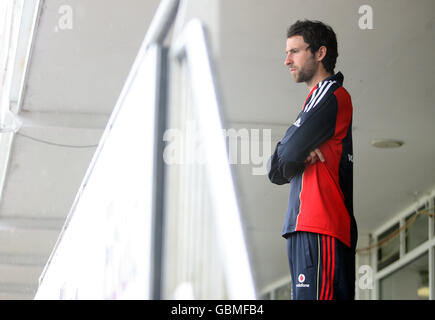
[[300, 145]]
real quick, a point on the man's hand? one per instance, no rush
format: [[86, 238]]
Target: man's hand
[[314, 156]]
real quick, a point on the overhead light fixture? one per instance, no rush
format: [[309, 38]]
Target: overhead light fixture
[[387, 143]]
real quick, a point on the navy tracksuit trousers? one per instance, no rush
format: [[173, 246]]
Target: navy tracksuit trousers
[[321, 267]]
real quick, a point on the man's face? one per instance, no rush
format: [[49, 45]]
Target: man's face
[[299, 59]]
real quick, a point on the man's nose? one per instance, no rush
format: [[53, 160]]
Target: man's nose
[[288, 61]]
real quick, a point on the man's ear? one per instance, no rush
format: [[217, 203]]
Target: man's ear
[[321, 53]]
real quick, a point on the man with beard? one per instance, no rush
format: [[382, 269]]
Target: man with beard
[[315, 156]]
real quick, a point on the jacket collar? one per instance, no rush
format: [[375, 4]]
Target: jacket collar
[[338, 77]]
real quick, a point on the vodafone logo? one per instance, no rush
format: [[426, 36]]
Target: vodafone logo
[[301, 280]]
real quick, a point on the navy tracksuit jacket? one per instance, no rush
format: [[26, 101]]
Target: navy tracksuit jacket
[[321, 195], [319, 226]]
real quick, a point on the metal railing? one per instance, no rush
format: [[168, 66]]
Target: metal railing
[[217, 265], [153, 228]]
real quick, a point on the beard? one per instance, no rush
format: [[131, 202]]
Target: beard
[[306, 72]]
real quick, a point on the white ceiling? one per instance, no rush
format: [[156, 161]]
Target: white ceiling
[[83, 69], [76, 75]]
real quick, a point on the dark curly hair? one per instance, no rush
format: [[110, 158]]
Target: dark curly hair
[[317, 34]]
